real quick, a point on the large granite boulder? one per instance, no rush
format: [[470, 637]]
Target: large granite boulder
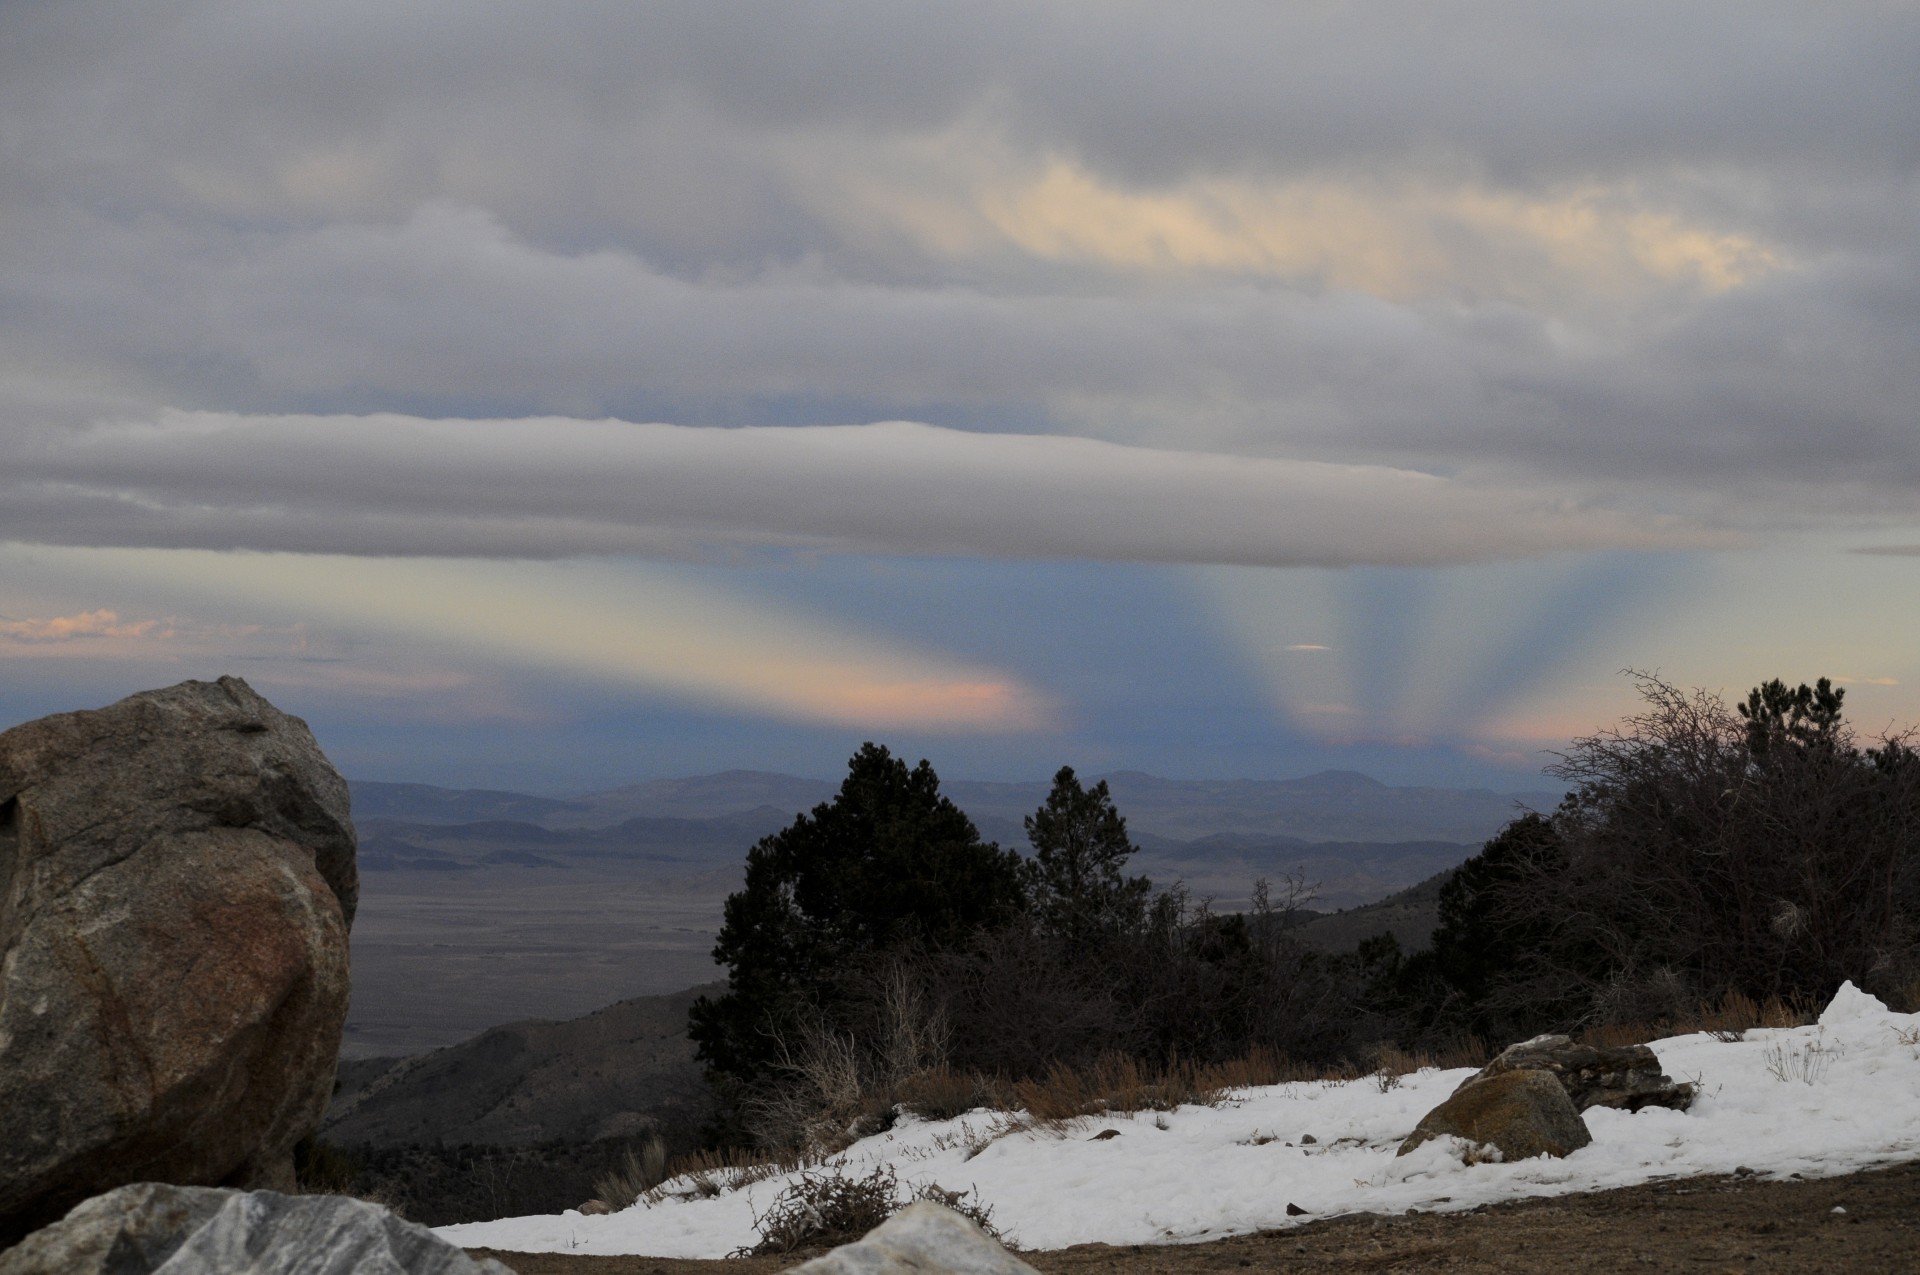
[[1522, 1113], [176, 881], [1626, 1077], [922, 1239], [196, 1230]]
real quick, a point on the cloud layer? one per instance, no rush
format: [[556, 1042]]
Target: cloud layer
[[1663, 254], [556, 487], [1395, 284]]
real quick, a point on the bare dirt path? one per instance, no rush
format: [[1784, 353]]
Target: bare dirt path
[[1700, 1225]]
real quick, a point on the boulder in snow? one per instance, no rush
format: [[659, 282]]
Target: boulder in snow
[[176, 880], [1522, 1113], [922, 1239], [1626, 1078], [190, 1230]]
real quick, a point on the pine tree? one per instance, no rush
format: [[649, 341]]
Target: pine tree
[[888, 862], [1075, 884]]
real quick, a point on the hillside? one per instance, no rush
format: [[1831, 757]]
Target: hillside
[[614, 1073], [1409, 915]]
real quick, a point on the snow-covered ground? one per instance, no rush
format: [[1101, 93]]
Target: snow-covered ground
[[1820, 1100]]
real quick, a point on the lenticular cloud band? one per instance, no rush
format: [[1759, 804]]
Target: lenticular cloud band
[[551, 487]]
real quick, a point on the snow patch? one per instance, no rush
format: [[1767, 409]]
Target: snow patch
[[1851, 1005], [1217, 1171]]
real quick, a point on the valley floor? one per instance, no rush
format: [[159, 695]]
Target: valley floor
[[1707, 1224]]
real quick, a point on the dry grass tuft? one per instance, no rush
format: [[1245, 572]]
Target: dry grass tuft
[[941, 1093], [1728, 1019], [1114, 1085], [634, 1177], [1265, 1067], [705, 1174]]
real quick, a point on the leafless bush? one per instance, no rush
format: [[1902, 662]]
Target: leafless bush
[[915, 1033], [1762, 851], [830, 1208], [834, 1084], [1805, 1061]]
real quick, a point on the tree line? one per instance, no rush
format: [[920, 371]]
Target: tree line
[[879, 940]]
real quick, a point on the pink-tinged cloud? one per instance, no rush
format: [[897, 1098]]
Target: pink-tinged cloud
[[960, 706], [87, 624], [630, 624]]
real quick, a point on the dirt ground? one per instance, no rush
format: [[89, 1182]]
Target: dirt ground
[[1705, 1225]]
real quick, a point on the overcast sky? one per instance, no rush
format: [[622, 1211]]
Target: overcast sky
[[563, 394]]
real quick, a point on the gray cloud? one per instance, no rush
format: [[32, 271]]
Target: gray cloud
[[553, 487], [1800, 385], [689, 211], [1147, 89]]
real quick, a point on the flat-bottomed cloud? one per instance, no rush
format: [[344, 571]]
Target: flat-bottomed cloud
[[556, 487]]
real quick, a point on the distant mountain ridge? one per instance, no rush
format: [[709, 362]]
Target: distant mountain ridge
[[390, 843], [482, 906], [1333, 805]]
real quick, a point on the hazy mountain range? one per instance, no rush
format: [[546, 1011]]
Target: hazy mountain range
[[1333, 805], [482, 907]]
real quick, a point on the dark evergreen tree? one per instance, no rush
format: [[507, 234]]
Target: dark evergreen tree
[[889, 862], [1076, 886], [1807, 716], [1482, 937]]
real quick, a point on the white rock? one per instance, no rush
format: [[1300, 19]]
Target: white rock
[[922, 1239], [151, 1228]]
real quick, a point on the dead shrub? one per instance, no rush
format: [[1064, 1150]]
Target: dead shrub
[[829, 1208], [837, 1082]]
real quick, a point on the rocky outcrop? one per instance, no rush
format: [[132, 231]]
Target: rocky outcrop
[[1522, 1113], [1626, 1078], [176, 882], [922, 1239], [187, 1230]]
